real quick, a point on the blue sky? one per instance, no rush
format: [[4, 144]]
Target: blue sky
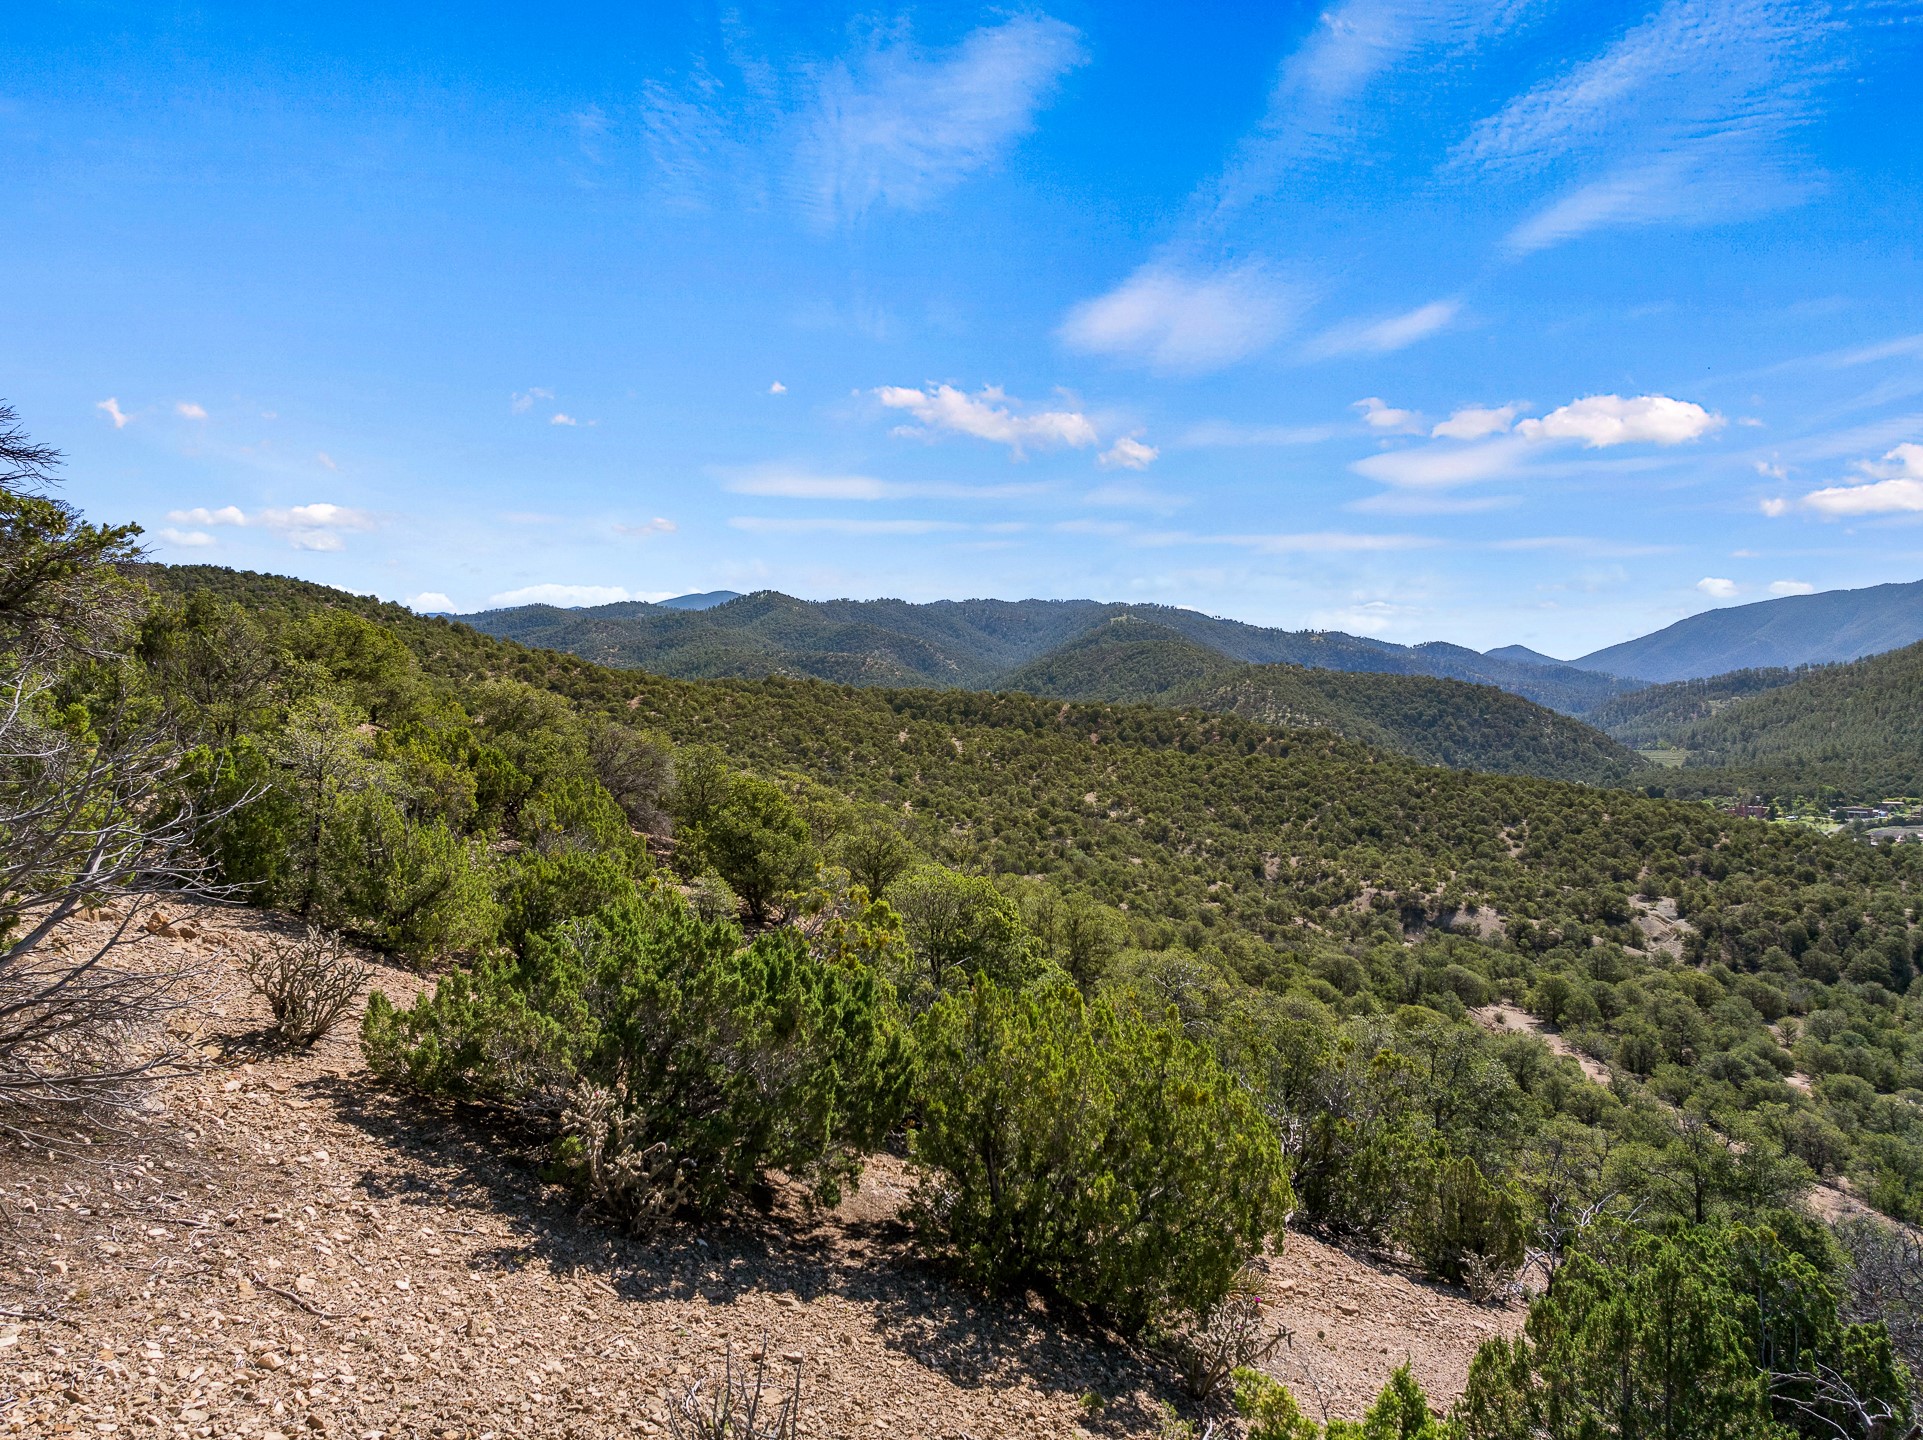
[[1479, 320]]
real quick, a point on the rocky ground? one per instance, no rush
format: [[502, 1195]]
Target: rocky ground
[[279, 1248]]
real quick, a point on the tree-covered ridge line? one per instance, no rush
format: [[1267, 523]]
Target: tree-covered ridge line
[[975, 644], [1439, 721]]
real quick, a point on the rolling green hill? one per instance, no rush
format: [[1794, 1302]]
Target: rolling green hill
[[1443, 722], [978, 644]]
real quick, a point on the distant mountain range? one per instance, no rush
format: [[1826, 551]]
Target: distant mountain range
[[1795, 630], [976, 644]]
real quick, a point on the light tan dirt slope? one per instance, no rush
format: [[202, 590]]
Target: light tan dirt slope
[[280, 1248]]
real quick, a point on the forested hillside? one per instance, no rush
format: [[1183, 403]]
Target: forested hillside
[[1237, 862], [1849, 728], [1443, 722], [977, 644], [1657, 717]]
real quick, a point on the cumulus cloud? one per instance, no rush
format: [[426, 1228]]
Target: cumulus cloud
[[659, 525], [522, 401], [1380, 416], [777, 388], [570, 597], [560, 418], [1487, 443], [1129, 453], [111, 407], [1603, 420], [1716, 587], [1774, 506], [189, 410], [1391, 333], [200, 515], [1895, 487], [318, 526], [430, 602], [1472, 422], [186, 539], [1791, 587], [987, 415], [1184, 320]]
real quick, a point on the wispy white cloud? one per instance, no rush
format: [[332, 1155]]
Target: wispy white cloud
[[1383, 336], [186, 539], [1682, 118], [1774, 506], [1472, 422], [1185, 320], [820, 525], [659, 525], [430, 602], [1791, 587], [1213, 433], [1128, 453], [890, 125], [111, 408], [522, 401], [1326, 92], [987, 415], [1422, 466], [787, 482], [188, 410], [325, 460], [1377, 414], [571, 597], [1718, 588], [899, 127], [319, 526], [562, 418]]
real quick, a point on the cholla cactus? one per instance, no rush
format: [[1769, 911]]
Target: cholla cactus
[[740, 1408]]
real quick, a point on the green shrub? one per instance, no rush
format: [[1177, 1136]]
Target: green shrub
[[540, 891], [1269, 1409], [416, 890], [960, 927], [1089, 1152], [678, 1055], [1711, 1331], [1464, 1229]]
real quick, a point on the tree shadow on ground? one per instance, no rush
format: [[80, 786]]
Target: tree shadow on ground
[[487, 1162]]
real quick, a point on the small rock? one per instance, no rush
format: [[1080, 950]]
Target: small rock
[[306, 1284], [400, 1284], [269, 1360]]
